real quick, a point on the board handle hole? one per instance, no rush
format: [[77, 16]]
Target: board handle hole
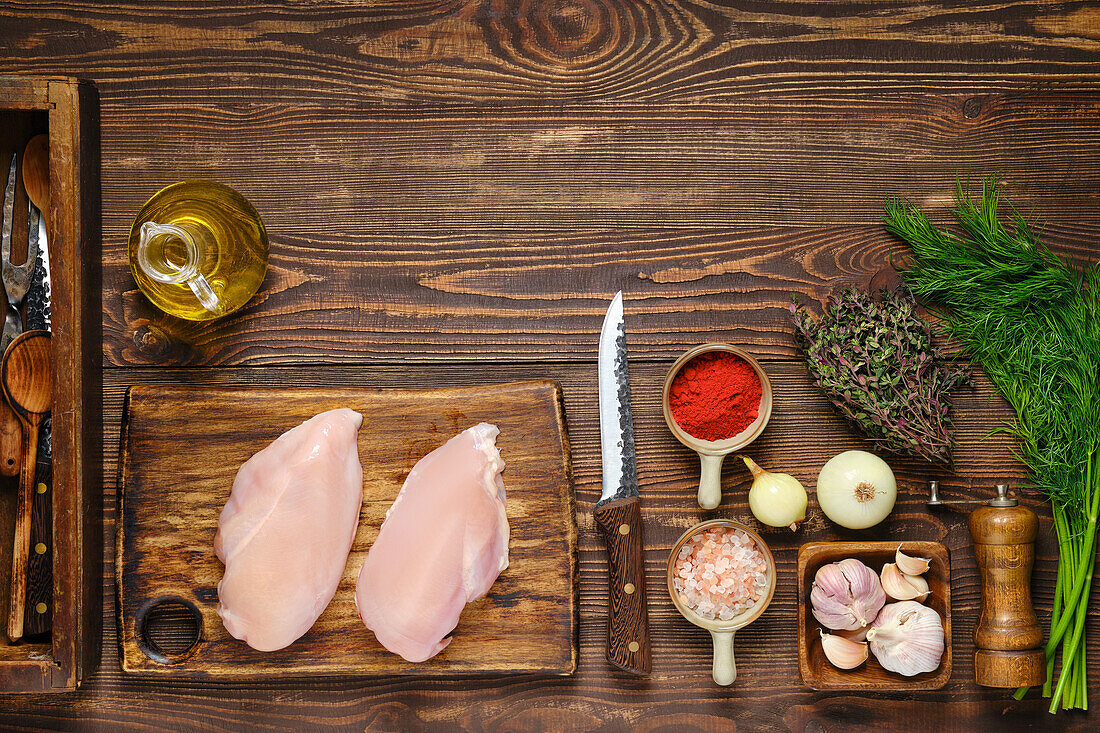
[[168, 629]]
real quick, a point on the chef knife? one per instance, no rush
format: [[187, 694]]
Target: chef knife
[[38, 610], [617, 513]]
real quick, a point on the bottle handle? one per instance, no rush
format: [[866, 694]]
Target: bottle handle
[[164, 271], [202, 290]]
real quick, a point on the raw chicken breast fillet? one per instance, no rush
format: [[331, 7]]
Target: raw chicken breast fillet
[[286, 531], [443, 544]]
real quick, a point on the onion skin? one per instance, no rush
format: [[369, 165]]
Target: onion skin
[[776, 499], [856, 489]]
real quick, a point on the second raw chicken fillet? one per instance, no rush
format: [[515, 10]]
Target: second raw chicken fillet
[[287, 529], [442, 545]]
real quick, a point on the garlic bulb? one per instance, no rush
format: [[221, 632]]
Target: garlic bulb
[[843, 653], [911, 565], [902, 587], [776, 499], [907, 638], [846, 595], [856, 489]]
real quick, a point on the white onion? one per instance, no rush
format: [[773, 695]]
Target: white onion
[[776, 499], [856, 489]]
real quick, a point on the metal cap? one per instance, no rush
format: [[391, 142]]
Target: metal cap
[[1002, 498]]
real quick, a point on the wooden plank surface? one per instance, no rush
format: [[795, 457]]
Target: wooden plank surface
[[494, 51], [453, 191], [173, 493], [474, 216]]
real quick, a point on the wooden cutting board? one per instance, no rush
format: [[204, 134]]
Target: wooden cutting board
[[181, 448]]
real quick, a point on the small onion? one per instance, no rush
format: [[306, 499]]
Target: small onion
[[856, 489], [776, 499]]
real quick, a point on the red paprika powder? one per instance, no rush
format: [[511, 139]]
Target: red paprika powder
[[715, 395]]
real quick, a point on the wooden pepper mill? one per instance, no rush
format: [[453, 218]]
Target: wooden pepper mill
[[1008, 637]]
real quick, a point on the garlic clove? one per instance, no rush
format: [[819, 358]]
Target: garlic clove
[[902, 587], [911, 565], [846, 595], [921, 584], [859, 634], [907, 638], [843, 653]]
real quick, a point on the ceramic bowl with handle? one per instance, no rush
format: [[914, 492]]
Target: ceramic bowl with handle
[[713, 452], [724, 667]]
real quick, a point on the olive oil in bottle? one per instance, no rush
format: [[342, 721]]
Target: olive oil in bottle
[[198, 250]]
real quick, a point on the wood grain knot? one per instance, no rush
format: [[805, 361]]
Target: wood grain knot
[[151, 341], [600, 39], [153, 344]]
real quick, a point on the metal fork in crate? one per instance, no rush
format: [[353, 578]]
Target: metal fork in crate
[[17, 278]]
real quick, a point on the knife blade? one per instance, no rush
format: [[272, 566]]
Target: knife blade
[[38, 612], [37, 313], [618, 512]]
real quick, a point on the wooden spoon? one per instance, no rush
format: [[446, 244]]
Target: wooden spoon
[[27, 376], [36, 172], [36, 182]]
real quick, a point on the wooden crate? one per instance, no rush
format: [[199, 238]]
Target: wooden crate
[[67, 110]]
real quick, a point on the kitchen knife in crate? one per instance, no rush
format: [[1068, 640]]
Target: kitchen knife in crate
[[39, 608]]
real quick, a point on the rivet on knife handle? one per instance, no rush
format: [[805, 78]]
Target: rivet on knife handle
[[39, 608], [620, 522]]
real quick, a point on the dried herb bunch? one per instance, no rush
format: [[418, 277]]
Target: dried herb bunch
[[876, 361]]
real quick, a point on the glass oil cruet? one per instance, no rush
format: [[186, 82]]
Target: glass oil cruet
[[198, 250]]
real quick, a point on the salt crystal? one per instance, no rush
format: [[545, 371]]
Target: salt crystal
[[720, 573]]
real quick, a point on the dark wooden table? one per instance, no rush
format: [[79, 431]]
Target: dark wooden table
[[453, 191]]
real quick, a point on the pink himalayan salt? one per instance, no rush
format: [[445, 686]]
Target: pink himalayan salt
[[719, 573]]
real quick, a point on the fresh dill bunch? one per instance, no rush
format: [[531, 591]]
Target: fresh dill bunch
[[1033, 323], [1026, 316]]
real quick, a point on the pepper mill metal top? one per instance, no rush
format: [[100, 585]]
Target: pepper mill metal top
[[1002, 498]]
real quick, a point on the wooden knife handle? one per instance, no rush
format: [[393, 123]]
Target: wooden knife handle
[[39, 613], [21, 542], [620, 523], [11, 441]]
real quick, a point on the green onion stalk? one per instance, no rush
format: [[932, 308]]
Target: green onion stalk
[[1032, 321]]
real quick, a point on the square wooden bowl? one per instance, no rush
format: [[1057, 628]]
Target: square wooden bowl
[[815, 669]]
